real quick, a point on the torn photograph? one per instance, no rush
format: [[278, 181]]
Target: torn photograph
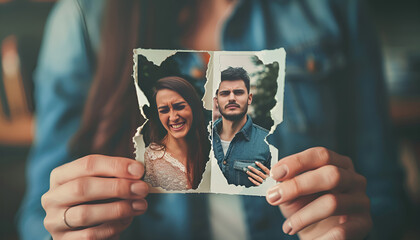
[[238, 141], [246, 87], [175, 135], [206, 122]]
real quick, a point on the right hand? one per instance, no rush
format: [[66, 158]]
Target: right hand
[[257, 177], [102, 195]]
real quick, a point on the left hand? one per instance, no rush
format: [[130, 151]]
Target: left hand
[[257, 177], [321, 196]]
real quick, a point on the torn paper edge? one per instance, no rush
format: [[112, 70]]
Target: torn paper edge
[[213, 180], [157, 57], [219, 182]]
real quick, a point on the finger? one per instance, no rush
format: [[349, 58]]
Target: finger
[[325, 178], [89, 189], [356, 227], [290, 207], [97, 165], [253, 181], [323, 207], [259, 173], [310, 159], [264, 168], [109, 230], [254, 176], [87, 215]]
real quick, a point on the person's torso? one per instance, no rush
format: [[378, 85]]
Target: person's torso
[[244, 150], [310, 34]]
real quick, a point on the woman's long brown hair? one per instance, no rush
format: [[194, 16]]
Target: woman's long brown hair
[[197, 137], [111, 113]]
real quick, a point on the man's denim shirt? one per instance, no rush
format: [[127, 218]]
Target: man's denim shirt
[[246, 147]]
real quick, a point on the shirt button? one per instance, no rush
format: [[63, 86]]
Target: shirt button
[[224, 162]]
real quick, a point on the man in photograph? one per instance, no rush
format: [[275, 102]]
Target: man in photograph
[[238, 144]]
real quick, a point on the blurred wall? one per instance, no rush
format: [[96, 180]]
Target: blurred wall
[[21, 29], [398, 27]]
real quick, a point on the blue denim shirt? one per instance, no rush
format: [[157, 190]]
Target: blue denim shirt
[[246, 147], [334, 97]]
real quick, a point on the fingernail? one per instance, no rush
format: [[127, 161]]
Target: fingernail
[[279, 172], [139, 189], [139, 205], [273, 194], [135, 170], [288, 227], [256, 162]]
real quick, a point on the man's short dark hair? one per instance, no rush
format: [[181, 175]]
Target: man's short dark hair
[[238, 73]]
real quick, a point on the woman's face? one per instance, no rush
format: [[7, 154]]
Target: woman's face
[[174, 113]]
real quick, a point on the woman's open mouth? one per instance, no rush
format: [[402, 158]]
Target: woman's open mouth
[[178, 126]]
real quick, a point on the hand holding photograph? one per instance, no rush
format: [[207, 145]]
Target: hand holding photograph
[[206, 128]]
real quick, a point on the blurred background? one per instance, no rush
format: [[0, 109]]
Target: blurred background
[[21, 28]]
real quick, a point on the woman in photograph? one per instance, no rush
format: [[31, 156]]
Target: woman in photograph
[[178, 151]]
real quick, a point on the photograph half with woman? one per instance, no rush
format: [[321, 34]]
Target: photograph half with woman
[[178, 148]]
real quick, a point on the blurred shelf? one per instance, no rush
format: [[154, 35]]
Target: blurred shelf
[[18, 132], [405, 111]]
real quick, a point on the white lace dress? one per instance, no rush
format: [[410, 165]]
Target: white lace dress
[[162, 170]]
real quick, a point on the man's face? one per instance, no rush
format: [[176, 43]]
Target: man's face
[[233, 99]]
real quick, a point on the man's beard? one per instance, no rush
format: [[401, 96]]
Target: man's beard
[[234, 117]]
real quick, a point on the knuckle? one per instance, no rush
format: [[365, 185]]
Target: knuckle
[[45, 201], [114, 164], [298, 161], [110, 230], [48, 223], [88, 234], [294, 187], [331, 203], [363, 182], [121, 209], [117, 188], [323, 154], [53, 174], [79, 188], [349, 161], [88, 163], [333, 176], [80, 215], [338, 233], [297, 222]]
